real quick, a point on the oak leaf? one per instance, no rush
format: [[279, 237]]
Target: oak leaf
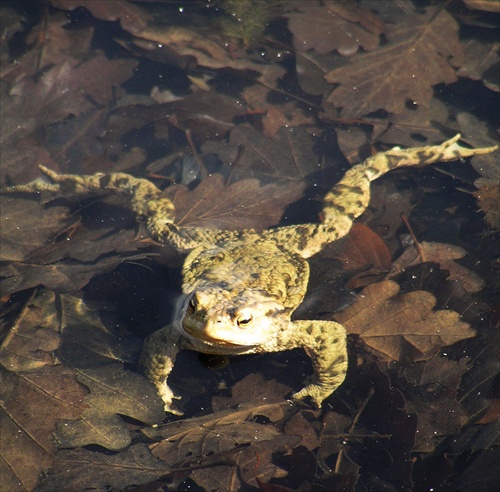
[[241, 205], [334, 26], [445, 255], [435, 385], [112, 392], [233, 433], [66, 89], [33, 338], [287, 157], [481, 62], [400, 327], [209, 50], [363, 249], [32, 402], [420, 53], [82, 469]]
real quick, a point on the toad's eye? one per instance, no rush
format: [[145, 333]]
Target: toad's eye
[[244, 320]]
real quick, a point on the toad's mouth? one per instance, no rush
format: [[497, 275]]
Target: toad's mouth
[[205, 337]]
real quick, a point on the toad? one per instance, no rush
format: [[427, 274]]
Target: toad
[[240, 288]]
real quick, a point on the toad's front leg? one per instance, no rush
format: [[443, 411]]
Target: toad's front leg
[[157, 361], [325, 343]]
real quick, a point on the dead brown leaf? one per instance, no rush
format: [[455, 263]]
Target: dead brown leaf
[[206, 115], [334, 26], [363, 248], [254, 390], [27, 226], [481, 62], [232, 434], [478, 133], [492, 413], [75, 142], [288, 157], [414, 126], [444, 254], [287, 114], [36, 240], [112, 392], [92, 349], [436, 384], [33, 338], [65, 89], [81, 469], [379, 426], [88, 347], [54, 44], [32, 402], [421, 52], [210, 50], [241, 205], [60, 277], [301, 426], [132, 17], [401, 327]]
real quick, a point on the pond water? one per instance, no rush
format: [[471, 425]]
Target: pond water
[[245, 113]]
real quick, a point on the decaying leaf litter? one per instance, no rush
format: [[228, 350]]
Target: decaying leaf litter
[[130, 87]]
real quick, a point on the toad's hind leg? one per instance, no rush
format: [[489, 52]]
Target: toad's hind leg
[[325, 343], [349, 198], [351, 195], [144, 199]]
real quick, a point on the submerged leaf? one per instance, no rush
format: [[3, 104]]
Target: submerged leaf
[[401, 327], [228, 439], [242, 205], [444, 254], [132, 17], [333, 26], [487, 196], [81, 469], [32, 402], [420, 54], [113, 392]]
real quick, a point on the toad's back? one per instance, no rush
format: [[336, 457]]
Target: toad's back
[[253, 264]]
